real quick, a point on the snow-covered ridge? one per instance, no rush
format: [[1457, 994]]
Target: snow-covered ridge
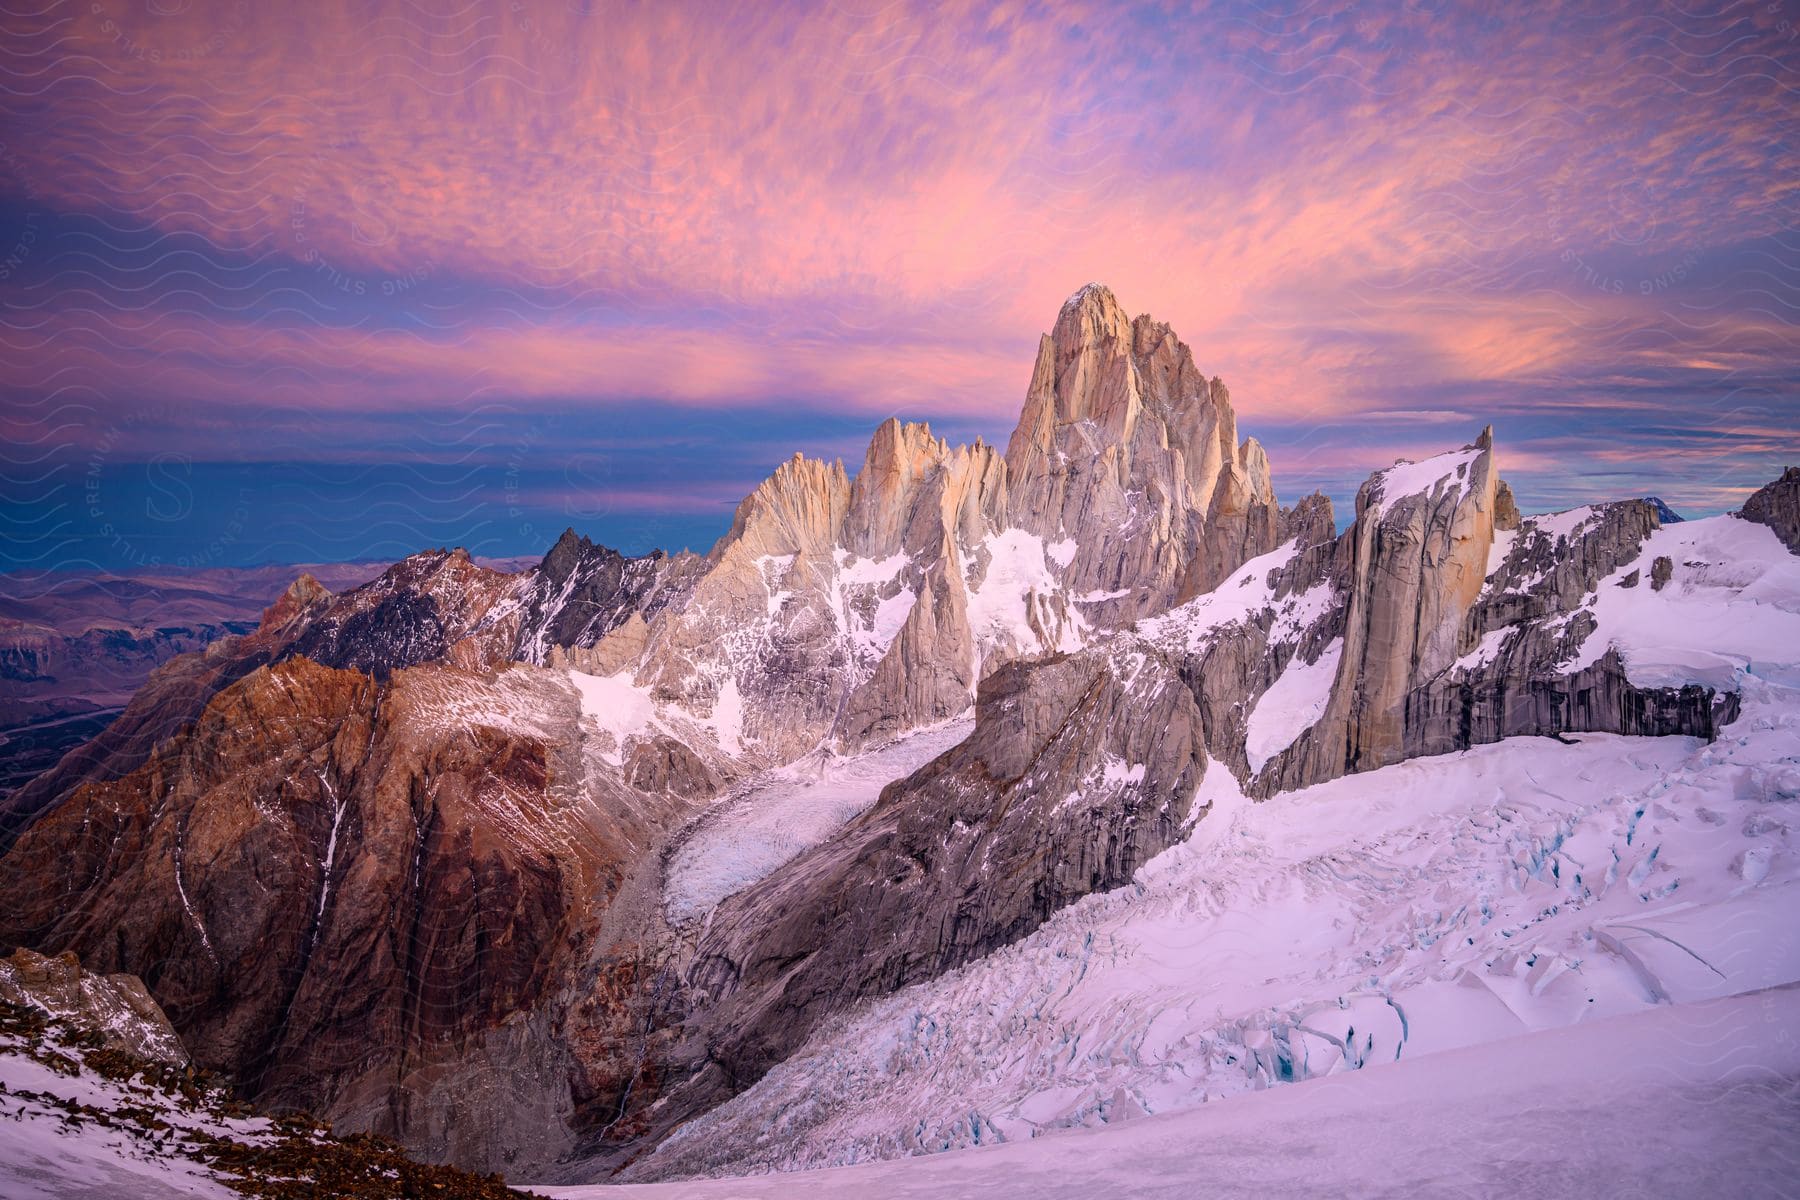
[[1567, 523], [1246, 594], [78, 1119], [78, 1132], [1730, 611], [1424, 478]]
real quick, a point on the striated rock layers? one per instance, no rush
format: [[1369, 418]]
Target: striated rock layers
[[423, 608], [355, 895]]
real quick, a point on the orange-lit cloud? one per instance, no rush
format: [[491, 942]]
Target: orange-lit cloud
[[1345, 210]]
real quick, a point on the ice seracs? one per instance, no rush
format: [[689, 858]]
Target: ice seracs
[[1439, 903]]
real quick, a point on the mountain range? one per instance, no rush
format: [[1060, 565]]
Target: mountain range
[[644, 867]]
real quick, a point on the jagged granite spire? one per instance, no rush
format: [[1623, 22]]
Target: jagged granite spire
[[1125, 446]]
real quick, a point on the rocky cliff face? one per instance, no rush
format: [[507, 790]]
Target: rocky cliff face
[[1532, 663], [1127, 449], [421, 609], [174, 695], [840, 609], [874, 605], [969, 853], [1777, 505], [581, 593], [1416, 557], [355, 895], [1458, 632]]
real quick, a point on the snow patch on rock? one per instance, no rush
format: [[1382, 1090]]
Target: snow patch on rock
[[1424, 477], [1730, 611], [782, 812], [1019, 583], [1292, 705], [617, 706]]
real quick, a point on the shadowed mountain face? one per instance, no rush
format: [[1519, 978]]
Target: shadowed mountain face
[[401, 854], [394, 619]]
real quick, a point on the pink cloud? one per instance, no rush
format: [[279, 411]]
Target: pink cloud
[[881, 210]]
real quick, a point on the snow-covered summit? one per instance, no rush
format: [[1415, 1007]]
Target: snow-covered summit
[[1092, 290], [1451, 471]]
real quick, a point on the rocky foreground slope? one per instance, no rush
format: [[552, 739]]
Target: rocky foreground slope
[[99, 1099], [419, 856]]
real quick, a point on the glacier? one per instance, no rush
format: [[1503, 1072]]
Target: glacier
[[1435, 906]]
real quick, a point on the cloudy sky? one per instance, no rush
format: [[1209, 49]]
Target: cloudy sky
[[326, 281]]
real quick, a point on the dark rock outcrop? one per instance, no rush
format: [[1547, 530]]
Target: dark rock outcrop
[[665, 765], [1506, 508], [413, 613], [1777, 505], [117, 1007], [1519, 698], [582, 591]]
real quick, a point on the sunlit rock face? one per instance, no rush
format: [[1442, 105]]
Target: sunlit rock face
[[1127, 448], [877, 604]]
